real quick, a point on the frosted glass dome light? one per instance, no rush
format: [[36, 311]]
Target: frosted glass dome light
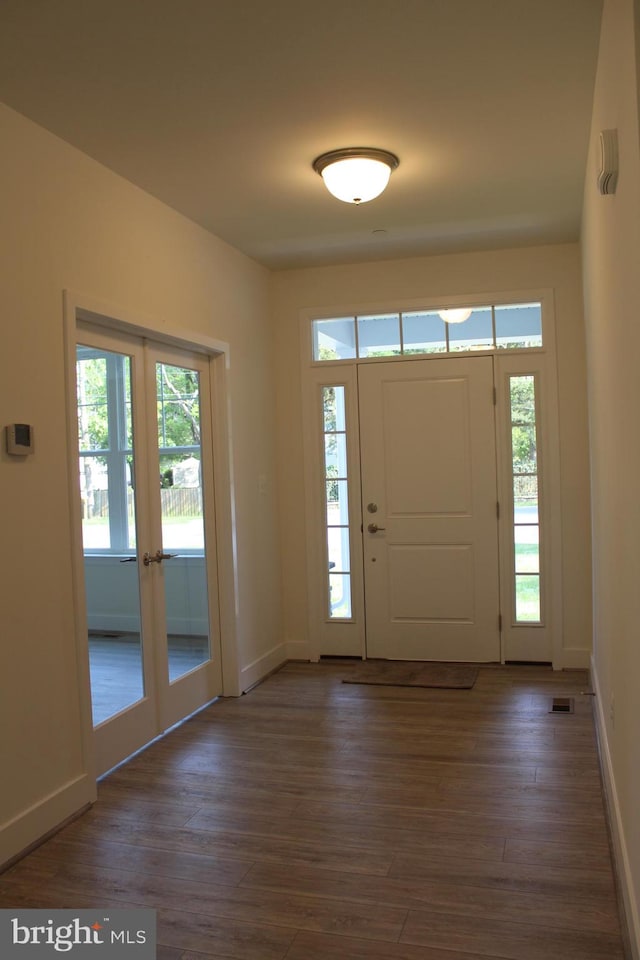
[[356, 174], [456, 314]]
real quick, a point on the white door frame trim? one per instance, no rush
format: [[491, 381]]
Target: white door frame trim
[[115, 318], [314, 374]]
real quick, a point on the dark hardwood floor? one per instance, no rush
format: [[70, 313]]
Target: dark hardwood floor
[[316, 820]]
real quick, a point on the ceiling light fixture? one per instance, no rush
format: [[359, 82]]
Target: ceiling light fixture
[[456, 314], [356, 174]]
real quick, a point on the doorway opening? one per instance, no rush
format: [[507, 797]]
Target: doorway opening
[[145, 416], [432, 482]]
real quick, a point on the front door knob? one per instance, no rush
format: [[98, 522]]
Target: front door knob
[[374, 528]]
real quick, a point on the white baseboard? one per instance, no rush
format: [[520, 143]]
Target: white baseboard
[[297, 650], [24, 831], [574, 659], [262, 666], [621, 856]]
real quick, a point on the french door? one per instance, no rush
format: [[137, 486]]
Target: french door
[[148, 528], [429, 491]]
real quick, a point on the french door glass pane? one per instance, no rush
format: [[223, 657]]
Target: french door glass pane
[[103, 383], [185, 571]]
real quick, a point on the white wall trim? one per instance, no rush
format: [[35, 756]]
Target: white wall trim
[[262, 666], [24, 831], [117, 317], [621, 856]]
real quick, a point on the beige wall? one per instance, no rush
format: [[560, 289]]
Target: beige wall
[[328, 288], [67, 222], [611, 251]]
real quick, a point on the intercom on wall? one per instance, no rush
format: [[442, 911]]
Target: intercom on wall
[[19, 439]]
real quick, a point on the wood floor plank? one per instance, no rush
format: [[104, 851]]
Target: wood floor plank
[[361, 838], [512, 941], [582, 913], [313, 946], [224, 938], [231, 841], [243, 904], [97, 824], [596, 857], [471, 824], [430, 798], [197, 790], [570, 775], [316, 820], [564, 882], [177, 864], [578, 794], [160, 811], [168, 953]]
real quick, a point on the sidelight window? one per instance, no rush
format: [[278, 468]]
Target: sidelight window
[[336, 501], [525, 491]]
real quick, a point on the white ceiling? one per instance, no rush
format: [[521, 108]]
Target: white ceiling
[[218, 108]]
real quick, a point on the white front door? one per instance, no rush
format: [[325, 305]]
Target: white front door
[[428, 461], [145, 449]]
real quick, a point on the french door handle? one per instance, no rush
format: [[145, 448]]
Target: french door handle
[[158, 557], [374, 528]]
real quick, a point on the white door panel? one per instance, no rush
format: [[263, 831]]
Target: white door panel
[[429, 464], [431, 582]]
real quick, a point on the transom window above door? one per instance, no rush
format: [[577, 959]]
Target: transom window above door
[[448, 330]]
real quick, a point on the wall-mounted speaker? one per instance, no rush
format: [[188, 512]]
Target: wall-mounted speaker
[[608, 172]]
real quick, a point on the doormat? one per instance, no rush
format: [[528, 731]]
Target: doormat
[[410, 673]]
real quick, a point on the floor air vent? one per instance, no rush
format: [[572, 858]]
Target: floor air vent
[[562, 705]]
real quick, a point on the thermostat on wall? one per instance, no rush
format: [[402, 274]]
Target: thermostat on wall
[[19, 439]]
